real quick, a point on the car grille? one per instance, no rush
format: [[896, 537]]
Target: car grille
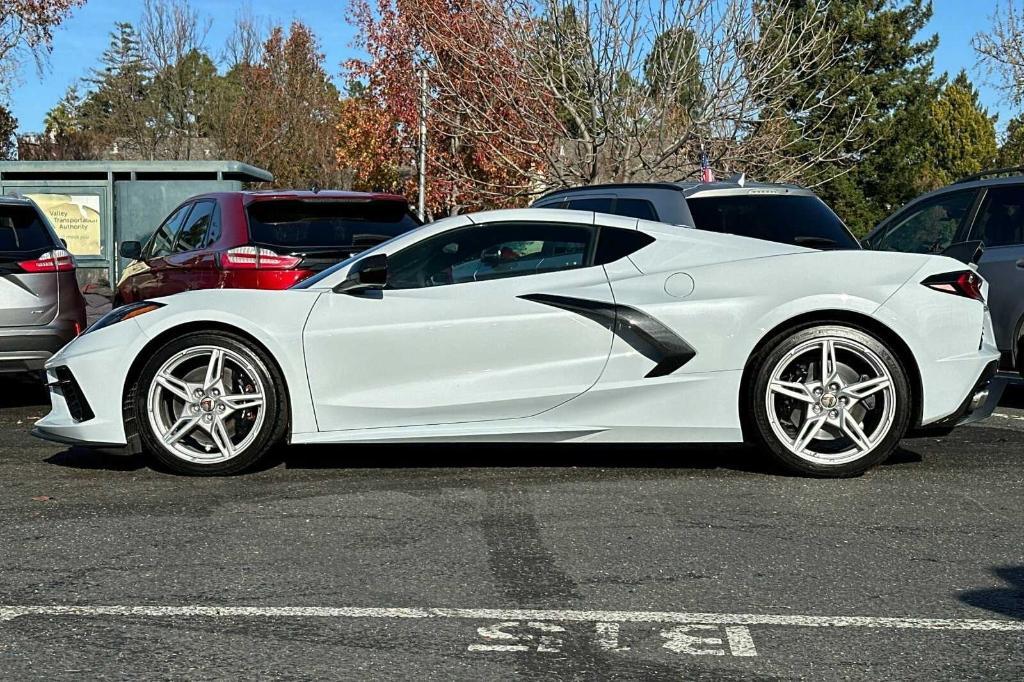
[[66, 385]]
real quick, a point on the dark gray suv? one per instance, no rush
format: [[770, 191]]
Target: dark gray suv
[[776, 212], [988, 207], [41, 306]]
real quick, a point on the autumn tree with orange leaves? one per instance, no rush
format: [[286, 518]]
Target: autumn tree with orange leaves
[[281, 111], [468, 169], [529, 95]]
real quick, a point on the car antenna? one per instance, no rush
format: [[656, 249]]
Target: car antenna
[[738, 178]]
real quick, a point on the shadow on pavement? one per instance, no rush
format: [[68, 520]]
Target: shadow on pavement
[[1009, 601], [727, 456], [23, 390], [99, 460], [526, 455], [1013, 395]]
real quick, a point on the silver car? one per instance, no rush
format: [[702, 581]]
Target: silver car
[[41, 306], [986, 208]]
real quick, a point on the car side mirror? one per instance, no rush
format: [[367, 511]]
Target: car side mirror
[[131, 250], [966, 252], [370, 273]]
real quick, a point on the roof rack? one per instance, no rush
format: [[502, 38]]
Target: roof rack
[[996, 172]]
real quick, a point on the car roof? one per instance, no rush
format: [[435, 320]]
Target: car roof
[[967, 184], [10, 200], [736, 185], [252, 196], [976, 183]]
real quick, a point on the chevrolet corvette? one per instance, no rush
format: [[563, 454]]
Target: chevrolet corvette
[[544, 325]]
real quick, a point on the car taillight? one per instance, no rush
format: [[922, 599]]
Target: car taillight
[[58, 260], [256, 258], [965, 283]]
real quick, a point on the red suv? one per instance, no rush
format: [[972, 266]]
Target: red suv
[[257, 240]]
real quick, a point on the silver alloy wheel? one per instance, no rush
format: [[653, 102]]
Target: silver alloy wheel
[[206, 404], [831, 400]]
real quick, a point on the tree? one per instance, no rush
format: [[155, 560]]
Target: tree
[[120, 110], [26, 30], [1001, 50], [8, 124], [527, 96], [884, 75], [65, 137], [961, 136], [673, 68], [1011, 153], [283, 111], [183, 77]]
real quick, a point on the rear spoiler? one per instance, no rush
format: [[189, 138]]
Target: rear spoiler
[[966, 252]]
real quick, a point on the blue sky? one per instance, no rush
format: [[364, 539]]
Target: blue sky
[[79, 43]]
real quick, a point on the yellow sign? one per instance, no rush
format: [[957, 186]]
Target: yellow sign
[[76, 219]]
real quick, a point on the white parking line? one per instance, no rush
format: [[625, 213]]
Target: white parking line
[[1015, 417], [568, 615]]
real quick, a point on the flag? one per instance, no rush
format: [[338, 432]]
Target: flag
[[706, 174]]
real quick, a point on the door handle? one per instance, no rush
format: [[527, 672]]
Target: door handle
[[1020, 263]]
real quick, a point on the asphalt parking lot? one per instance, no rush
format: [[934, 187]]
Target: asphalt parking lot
[[488, 562]]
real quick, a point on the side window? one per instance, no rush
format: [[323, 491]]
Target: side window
[[193, 235], [486, 252], [930, 226], [1000, 220], [597, 204], [636, 208], [614, 243], [213, 234], [163, 239], [630, 208]]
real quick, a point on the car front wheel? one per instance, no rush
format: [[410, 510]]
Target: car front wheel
[[829, 400], [210, 404]]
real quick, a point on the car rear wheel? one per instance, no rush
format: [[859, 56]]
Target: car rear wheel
[[829, 400], [210, 404]]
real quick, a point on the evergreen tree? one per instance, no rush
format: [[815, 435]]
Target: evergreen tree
[[673, 66], [120, 109], [887, 74], [961, 137], [8, 124], [1011, 153]]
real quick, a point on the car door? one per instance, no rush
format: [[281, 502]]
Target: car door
[[145, 278], [1000, 225], [927, 226], [190, 265], [455, 338]]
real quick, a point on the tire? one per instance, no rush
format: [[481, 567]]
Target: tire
[[837, 428], [196, 420]]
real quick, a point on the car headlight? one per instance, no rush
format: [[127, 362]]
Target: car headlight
[[125, 312]]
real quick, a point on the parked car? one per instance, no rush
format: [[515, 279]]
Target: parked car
[[41, 306], [546, 326], [257, 240], [777, 212], [989, 208]]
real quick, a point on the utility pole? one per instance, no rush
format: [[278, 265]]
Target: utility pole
[[421, 203]]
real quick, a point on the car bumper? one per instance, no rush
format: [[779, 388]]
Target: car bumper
[[980, 402], [28, 348], [89, 410]]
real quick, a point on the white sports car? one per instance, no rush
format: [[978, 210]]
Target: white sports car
[[544, 325]]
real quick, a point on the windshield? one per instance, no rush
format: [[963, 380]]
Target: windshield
[[292, 225], [800, 220]]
